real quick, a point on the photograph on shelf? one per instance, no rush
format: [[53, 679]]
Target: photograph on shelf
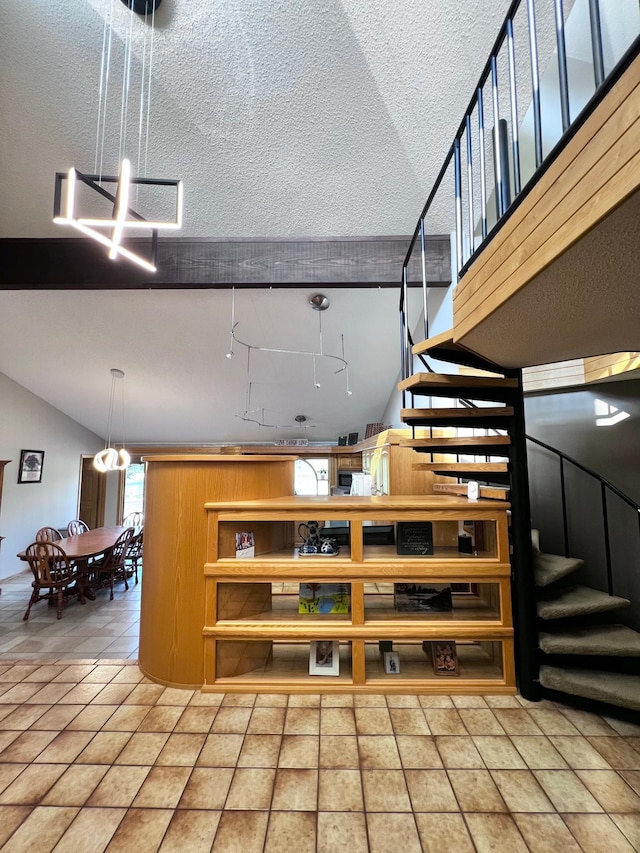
[[445, 657], [245, 545], [324, 657], [416, 598], [392, 663], [414, 538], [324, 598]]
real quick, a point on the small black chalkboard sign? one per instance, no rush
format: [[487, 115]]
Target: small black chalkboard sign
[[414, 537]]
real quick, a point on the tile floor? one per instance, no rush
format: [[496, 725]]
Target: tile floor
[[95, 757]]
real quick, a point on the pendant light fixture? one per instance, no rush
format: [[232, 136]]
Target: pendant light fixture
[[111, 459], [110, 229]]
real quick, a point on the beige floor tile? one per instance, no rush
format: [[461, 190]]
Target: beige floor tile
[[623, 727], [337, 721], [195, 720], [295, 790], [113, 694], [239, 700], [162, 788], [578, 753], [459, 752], [502, 702], [271, 700], [220, 751], [91, 831], [7, 738], [19, 693], [9, 772], [17, 672], [80, 694], [566, 791], [336, 700], [586, 723], [207, 788], [610, 790], [339, 831], [50, 694], [65, 747], [75, 786], [469, 701], [142, 748], [390, 832], [444, 721], [295, 831], [339, 752], [340, 790], [241, 832], [57, 717], [304, 700], [260, 751], [104, 748], [45, 673], [119, 787], [266, 721], [632, 778], [231, 720], [102, 674], [546, 833], [521, 791], [75, 672], [552, 722], [127, 718], [5, 710], [596, 833], [538, 752], [191, 831], [370, 700], [93, 718], [181, 750], [251, 788], [144, 694], [128, 675], [385, 791], [32, 784], [431, 791], [516, 722], [299, 751], [616, 751], [409, 721], [23, 717], [418, 752], [443, 833], [400, 700], [373, 721], [140, 829], [629, 825], [41, 830], [378, 752], [495, 833], [479, 721], [161, 718], [476, 791], [209, 700], [10, 819], [498, 753], [302, 721], [26, 746]]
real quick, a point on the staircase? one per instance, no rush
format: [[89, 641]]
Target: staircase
[[564, 646]]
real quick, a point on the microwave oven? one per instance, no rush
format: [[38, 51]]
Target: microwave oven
[[345, 478]]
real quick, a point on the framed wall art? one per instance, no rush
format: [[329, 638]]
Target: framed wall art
[[31, 464]]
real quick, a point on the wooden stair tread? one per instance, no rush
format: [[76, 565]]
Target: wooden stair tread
[[452, 416], [444, 348], [456, 441], [460, 466], [492, 492], [615, 688], [459, 385]]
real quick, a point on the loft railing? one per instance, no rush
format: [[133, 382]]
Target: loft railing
[[498, 152]]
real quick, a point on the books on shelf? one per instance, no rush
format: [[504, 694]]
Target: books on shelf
[[324, 598]]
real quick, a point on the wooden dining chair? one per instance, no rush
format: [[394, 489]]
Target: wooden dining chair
[[77, 526], [48, 534], [53, 574], [133, 556], [134, 519], [112, 567]]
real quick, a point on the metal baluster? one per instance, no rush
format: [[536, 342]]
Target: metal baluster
[[483, 170], [405, 300], [514, 108], [607, 544], [458, 190], [596, 41], [425, 306], [562, 66], [470, 182], [496, 139], [535, 81], [563, 493], [403, 353]]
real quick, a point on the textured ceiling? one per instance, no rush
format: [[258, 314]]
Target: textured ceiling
[[284, 120]]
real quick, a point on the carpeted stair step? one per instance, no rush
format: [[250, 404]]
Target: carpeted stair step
[[606, 640], [551, 567], [577, 601], [612, 687]]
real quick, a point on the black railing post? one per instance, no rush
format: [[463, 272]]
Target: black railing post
[[470, 182], [535, 81], [514, 108], [425, 306], [562, 66], [405, 298], [497, 156], [483, 168], [563, 495], [522, 576], [607, 543], [458, 189], [596, 42]]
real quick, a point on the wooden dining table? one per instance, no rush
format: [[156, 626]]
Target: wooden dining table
[[84, 546]]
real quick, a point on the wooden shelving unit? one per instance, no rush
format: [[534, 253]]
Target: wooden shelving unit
[[255, 640]]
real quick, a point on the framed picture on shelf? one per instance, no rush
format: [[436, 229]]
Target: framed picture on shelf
[[324, 657], [245, 545], [392, 663], [31, 464], [445, 657]]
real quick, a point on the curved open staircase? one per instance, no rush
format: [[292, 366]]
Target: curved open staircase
[[561, 628]]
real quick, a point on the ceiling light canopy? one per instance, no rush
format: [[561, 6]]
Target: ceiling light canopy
[[111, 459]]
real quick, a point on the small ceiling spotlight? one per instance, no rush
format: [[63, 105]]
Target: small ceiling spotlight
[[142, 7], [300, 419], [319, 302]]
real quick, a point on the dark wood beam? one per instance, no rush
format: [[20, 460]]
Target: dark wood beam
[[81, 264]]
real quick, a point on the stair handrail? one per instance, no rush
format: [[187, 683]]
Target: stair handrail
[[505, 201], [604, 485]]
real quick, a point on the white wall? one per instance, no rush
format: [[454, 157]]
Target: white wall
[[26, 421]]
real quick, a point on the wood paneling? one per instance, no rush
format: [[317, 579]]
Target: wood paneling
[[604, 367]]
